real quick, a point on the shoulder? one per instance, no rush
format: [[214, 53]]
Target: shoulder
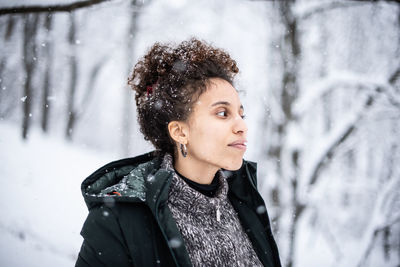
[[119, 224], [120, 215], [113, 233], [111, 214]]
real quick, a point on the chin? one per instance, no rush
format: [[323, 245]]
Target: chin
[[233, 165]]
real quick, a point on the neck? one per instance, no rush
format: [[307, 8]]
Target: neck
[[195, 170]]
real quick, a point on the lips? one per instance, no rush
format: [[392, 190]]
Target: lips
[[239, 144]]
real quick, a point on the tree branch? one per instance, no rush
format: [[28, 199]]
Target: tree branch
[[336, 5], [50, 8], [377, 226], [338, 80], [348, 128], [340, 136], [393, 99]]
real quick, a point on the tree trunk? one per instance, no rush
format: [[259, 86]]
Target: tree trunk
[[127, 112], [71, 116], [29, 50], [47, 75], [290, 52], [7, 99]]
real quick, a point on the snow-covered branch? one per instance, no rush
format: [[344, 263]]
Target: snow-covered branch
[[337, 80], [308, 11], [393, 95], [50, 8], [377, 220], [335, 138]]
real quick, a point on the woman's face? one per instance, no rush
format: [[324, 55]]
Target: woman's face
[[217, 131]]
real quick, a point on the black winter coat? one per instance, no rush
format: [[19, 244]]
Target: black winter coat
[[130, 224]]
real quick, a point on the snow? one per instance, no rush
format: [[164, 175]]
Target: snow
[[346, 54], [43, 210]]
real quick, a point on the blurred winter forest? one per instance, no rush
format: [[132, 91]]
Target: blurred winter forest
[[319, 80]]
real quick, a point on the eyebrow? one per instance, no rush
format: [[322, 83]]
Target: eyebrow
[[226, 103]]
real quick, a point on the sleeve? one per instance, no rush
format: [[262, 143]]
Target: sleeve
[[103, 243]]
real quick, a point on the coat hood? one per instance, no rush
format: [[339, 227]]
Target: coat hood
[[122, 180]]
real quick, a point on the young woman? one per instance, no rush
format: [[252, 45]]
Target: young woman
[[194, 200]]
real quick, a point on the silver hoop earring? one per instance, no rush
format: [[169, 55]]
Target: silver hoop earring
[[184, 150]]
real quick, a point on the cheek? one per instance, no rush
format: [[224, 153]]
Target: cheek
[[208, 140], [209, 143]]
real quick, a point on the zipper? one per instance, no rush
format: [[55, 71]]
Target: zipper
[[218, 214], [215, 203]]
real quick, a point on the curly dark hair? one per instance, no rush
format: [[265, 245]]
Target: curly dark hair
[[169, 79]]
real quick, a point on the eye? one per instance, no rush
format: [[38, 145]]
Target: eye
[[222, 113]]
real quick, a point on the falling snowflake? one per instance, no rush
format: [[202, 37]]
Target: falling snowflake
[[261, 209], [174, 243]]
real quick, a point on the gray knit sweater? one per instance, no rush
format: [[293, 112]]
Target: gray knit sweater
[[210, 227]]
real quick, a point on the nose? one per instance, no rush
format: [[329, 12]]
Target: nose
[[240, 126]]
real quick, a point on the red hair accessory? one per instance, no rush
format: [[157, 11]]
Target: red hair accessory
[[149, 90]]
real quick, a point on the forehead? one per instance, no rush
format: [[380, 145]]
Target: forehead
[[218, 90]]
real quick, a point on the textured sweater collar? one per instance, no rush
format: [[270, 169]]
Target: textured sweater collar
[[188, 199]]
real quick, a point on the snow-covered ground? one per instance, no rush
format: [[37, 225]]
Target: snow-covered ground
[[41, 204]]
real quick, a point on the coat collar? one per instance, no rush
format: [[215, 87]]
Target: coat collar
[[243, 183], [146, 178]]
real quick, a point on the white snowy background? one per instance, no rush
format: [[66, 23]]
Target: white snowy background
[[320, 82]]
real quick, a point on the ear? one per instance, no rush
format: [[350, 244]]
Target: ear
[[179, 131]]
